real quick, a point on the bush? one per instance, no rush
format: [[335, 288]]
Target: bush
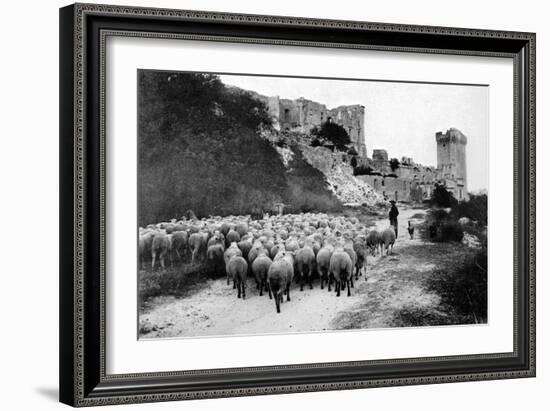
[[362, 170], [464, 289], [394, 164], [442, 228], [450, 232], [352, 151], [175, 281], [441, 197], [315, 142], [475, 209]]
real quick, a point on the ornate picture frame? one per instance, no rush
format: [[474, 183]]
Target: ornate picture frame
[[84, 29]]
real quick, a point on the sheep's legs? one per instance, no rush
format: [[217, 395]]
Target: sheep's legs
[[238, 289], [243, 286], [269, 290], [350, 281], [277, 301], [288, 292]]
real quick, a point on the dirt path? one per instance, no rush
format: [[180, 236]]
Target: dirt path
[[392, 284]]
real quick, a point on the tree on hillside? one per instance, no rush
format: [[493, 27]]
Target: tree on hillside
[[394, 164], [334, 134]]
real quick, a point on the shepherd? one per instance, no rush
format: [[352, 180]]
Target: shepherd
[[394, 212]]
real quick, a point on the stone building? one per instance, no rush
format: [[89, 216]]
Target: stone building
[[302, 115], [415, 182], [410, 181]]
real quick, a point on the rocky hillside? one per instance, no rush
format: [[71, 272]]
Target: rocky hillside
[[340, 179]]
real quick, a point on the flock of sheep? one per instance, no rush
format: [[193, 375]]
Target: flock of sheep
[[274, 249]]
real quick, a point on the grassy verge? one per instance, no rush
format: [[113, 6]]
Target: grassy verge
[[176, 281]]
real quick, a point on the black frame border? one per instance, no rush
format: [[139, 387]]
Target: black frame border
[[83, 30]]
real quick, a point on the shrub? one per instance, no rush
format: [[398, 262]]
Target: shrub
[[315, 142], [352, 151], [394, 164], [175, 281], [464, 289], [441, 197], [475, 208], [362, 170], [450, 232]]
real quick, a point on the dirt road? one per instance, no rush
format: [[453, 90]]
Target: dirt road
[[392, 284]]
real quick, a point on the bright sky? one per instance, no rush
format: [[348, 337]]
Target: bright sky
[[399, 117]]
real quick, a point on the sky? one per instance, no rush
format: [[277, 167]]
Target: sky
[[399, 117]]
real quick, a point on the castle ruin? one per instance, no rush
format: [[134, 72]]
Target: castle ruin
[[302, 115], [408, 181]]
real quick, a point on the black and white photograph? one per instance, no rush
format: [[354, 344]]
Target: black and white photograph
[[276, 204]]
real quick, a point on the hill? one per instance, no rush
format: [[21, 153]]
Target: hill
[[200, 148]]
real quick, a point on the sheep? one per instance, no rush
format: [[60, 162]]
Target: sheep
[[214, 256], [241, 228], [374, 242], [217, 238], [341, 268], [275, 249], [179, 243], [145, 244], [388, 239], [350, 249], [255, 251], [160, 248], [360, 262], [260, 267], [197, 244], [245, 247], [305, 263], [291, 244], [232, 237], [323, 264], [238, 268], [224, 229], [232, 251], [279, 278]]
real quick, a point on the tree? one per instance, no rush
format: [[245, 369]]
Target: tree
[[315, 142], [334, 134], [352, 151], [353, 162], [394, 164], [442, 197]]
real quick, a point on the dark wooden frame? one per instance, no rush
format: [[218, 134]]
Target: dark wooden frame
[[83, 29]]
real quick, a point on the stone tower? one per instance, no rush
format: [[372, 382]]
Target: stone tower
[[451, 161]]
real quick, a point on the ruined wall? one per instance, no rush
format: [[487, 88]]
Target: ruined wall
[[352, 118], [302, 115]]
